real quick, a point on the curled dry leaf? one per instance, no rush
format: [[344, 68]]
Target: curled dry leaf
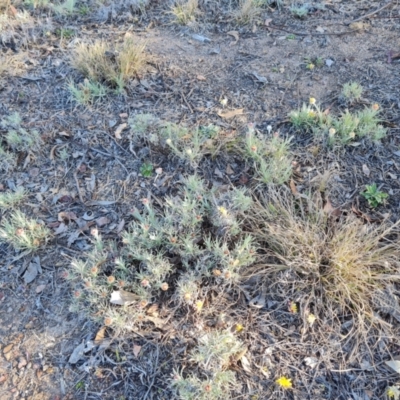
[[119, 130], [100, 335], [330, 210], [234, 34]]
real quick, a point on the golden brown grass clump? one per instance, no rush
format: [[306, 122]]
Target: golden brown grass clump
[[185, 12], [342, 257], [100, 63], [248, 11]]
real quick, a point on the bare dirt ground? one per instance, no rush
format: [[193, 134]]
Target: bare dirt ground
[[260, 68]]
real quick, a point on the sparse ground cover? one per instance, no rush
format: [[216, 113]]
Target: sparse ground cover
[[199, 200]]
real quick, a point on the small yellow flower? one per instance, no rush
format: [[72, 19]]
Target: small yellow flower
[[393, 392], [239, 327], [223, 211], [312, 114], [312, 100], [199, 305], [293, 307], [284, 382], [311, 319]]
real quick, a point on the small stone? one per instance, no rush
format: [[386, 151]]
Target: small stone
[[22, 363]]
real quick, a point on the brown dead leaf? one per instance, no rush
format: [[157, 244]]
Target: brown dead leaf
[[119, 130], [293, 188], [100, 335], [330, 210], [231, 113], [136, 349], [201, 78], [67, 216], [234, 34]]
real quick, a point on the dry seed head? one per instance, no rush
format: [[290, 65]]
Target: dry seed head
[[216, 272], [94, 270], [121, 283], [36, 242], [173, 240], [207, 388], [164, 286], [332, 131], [253, 148], [145, 201], [108, 321], [187, 296], [375, 107], [145, 283], [143, 303], [111, 279], [227, 275], [77, 294], [19, 232]]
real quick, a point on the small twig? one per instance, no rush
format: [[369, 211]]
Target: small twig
[[77, 186], [371, 13], [184, 99]]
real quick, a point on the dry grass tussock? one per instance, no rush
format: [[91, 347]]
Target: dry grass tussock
[[99, 62], [185, 12], [342, 258]]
